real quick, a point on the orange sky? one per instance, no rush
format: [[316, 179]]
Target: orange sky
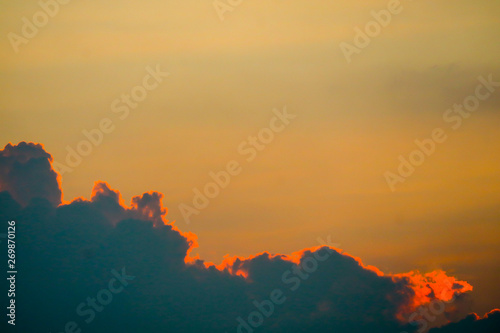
[[324, 173]]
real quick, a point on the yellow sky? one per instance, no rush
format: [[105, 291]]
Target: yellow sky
[[324, 174]]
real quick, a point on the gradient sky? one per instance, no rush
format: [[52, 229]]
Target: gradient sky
[[324, 174]]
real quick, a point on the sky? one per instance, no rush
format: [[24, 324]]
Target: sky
[[332, 168]]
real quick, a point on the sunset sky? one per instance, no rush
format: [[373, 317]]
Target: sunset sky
[[325, 172]]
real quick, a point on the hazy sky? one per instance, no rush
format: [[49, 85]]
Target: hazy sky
[[324, 173]]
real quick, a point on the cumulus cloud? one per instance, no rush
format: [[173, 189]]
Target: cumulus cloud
[[26, 172], [72, 254]]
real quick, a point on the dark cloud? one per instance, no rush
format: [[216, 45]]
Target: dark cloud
[[26, 173], [100, 266], [490, 323]]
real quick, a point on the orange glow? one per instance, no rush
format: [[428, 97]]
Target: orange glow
[[367, 267], [78, 199], [102, 187], [192, 240], [427, 287], [431, 286], [295, 257], [491, 312], [233, 264]]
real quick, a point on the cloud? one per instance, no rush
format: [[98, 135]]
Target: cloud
[[69, 254], [26, 173], [490, 323]]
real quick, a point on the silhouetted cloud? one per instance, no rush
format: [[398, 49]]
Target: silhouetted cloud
[[26, 173], [101, 266], [490, 323]]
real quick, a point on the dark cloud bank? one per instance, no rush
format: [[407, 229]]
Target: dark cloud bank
[[100, 266]]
